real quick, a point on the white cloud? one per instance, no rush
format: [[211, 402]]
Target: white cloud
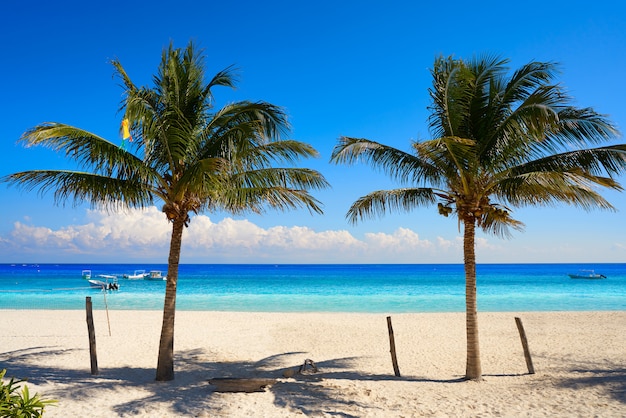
[[402, 240], [112, 233], [144, 235], [131, 228], [447, 244]]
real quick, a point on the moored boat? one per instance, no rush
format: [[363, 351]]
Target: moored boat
[[586, 274], [155, 275], [138, 274], [86, 274]]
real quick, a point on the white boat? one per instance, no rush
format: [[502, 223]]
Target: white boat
[[86, 274], [156, 275], [138, 274], [99, 284], [587, 274]]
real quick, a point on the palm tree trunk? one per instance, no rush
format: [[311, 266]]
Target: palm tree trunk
[[473, 370], [165, 365]]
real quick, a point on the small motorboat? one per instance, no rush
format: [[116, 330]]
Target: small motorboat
[[587, 274], [86, 274], [155, 275], [138, 274]]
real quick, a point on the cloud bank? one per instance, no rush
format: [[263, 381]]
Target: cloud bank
[[144, 235]]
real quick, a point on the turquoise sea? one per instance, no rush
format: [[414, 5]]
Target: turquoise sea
[[320, 288]]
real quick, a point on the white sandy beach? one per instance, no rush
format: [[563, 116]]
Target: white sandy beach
[[579, 359]]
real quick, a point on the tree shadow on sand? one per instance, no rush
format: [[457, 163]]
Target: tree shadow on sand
[[610, 378], [307, 394], [185, 396], [191, 393], [612, 381]]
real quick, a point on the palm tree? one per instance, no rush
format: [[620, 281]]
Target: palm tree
[[499, 142], [188, 157]]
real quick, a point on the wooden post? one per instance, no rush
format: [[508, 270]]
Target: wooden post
[[392, 343], [522, 335], [92, 337]]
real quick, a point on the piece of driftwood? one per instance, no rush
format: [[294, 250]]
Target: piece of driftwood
[[522, 335], [229, 384]]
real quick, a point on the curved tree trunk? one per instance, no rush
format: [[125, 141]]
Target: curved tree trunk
[[165, 365], [473, 370]]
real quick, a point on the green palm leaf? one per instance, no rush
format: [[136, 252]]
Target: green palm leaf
[[379, 202], [100, 191]]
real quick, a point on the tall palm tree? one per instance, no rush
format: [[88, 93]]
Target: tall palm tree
[[499, 142], [188, 157]]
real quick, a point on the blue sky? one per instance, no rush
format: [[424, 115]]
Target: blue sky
[[356, 68]]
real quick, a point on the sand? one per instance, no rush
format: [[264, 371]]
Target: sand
[[579, 360]]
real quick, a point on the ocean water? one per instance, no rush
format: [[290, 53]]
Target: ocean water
[[320, 288]]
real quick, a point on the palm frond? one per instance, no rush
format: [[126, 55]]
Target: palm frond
[[453, 158], [226, 78], [449, 95], [380, 202], [121, 72], [287, 151], [256, 199], [594, 161], [395, 163], [266, 121], [581, 127], [277, 188], [88, 150], [293, 178], [208, 177], [100, 191], [547, 188], [499, 222], [526, 80]]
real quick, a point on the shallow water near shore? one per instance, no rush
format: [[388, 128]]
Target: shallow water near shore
[[320, 288]]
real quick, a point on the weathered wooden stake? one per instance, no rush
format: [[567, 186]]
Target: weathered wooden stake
[[392, 343], [522, 335], [92, 337]]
